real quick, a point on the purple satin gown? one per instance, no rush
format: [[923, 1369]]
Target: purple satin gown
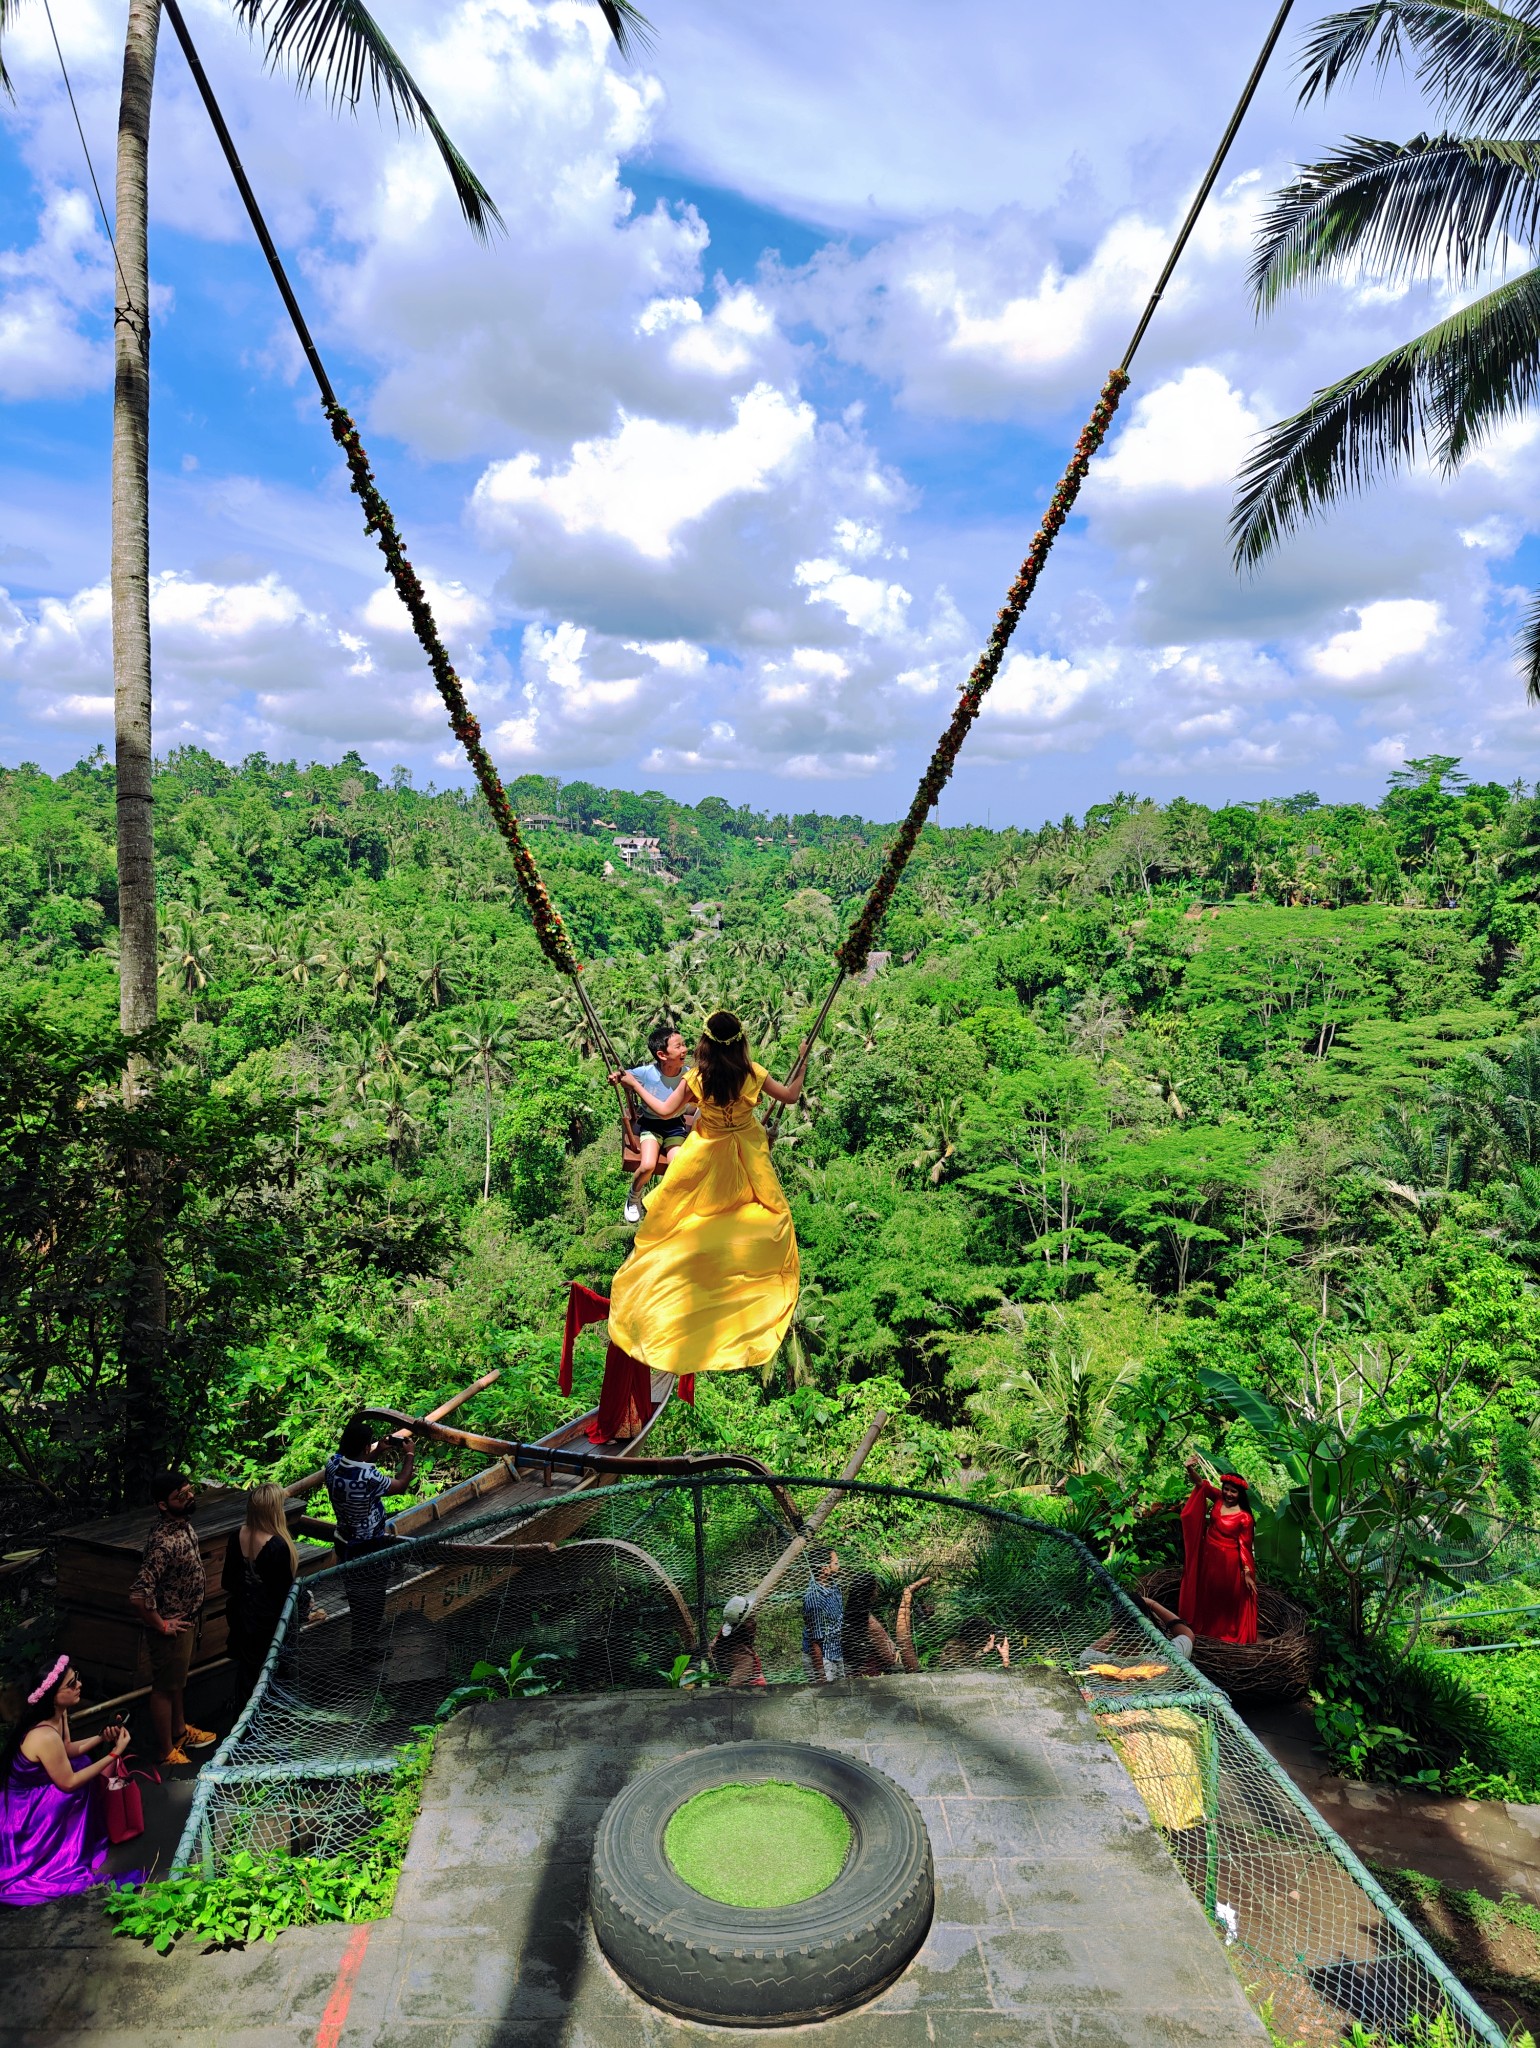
[[51, 1842]]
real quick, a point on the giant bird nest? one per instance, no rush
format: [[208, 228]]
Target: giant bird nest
[[1279, 1665]]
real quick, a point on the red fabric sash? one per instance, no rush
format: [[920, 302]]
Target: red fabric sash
[[585, 1307]]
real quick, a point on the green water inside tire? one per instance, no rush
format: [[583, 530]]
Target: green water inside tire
[[758, 1845]]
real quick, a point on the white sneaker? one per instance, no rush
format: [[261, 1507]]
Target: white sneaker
[[634, 1212]]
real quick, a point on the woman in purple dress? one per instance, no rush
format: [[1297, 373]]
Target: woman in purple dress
[[53, 1833]]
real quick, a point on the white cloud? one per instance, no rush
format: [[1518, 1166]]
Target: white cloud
[[1387, 632], [651, 478], [1188, 435], [51, 346]]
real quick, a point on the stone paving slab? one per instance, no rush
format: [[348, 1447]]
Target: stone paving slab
[[1061, 1921]]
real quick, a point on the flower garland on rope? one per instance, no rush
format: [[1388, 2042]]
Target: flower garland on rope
[[378, 520], [857, 943]]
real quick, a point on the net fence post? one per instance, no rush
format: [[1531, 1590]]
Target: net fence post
[[698, 1503], [1210, 1812]]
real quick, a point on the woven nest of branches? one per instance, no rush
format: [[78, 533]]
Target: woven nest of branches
[[1279, 1665]]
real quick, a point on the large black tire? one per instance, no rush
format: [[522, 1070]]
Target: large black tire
[[769, 1966]]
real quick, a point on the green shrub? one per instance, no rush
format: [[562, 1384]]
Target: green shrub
[[256, 1896]]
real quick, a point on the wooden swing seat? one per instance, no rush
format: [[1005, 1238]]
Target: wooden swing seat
[[631, 1143]]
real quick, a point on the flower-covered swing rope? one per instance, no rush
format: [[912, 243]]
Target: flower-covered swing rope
[[555, 940], [852, 952]]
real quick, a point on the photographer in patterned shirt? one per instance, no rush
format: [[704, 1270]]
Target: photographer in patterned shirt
[[167, 1595]]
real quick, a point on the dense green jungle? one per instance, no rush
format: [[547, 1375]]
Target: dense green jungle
[[1158, 1130]]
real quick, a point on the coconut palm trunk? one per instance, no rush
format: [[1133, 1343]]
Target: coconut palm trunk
[[131, 529], [144, 1333]]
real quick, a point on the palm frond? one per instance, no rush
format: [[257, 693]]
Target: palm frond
[[1479, 61], [339, 42], [9, 9], [1399, 207], [1354, 430], [1485, 366], [1529, 648], [1445, 392], [627, 24]]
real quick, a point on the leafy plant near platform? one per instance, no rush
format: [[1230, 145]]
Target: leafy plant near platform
[[257, 1895], [519, 1679]]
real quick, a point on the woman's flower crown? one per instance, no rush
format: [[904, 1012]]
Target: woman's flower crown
[[51, 1680], [721, 1037]]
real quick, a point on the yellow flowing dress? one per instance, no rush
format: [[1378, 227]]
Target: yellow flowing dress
[[712, 1280]]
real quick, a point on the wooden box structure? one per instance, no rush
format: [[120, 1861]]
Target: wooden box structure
[[97, 1562]]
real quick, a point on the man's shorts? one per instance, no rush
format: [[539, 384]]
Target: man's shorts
[[674, 1132], [171, 1657]]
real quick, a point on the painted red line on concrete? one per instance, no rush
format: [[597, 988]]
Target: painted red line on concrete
[[335, 2017]]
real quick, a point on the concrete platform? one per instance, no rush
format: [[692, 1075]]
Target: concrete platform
[[1061, 1920]]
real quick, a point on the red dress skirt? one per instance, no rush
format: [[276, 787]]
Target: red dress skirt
[[1215, 1600]]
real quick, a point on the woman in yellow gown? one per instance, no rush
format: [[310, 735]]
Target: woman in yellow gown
[[712, 1280]]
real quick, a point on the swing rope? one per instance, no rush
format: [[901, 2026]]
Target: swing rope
[[854, 949], [552, 934], [852, 953]]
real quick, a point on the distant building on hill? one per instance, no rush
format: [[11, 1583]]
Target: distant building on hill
[[637, 850]]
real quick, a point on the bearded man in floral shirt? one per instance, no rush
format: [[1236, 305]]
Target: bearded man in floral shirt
[[167, 1595]]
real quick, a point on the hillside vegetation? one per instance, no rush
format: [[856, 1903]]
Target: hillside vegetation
[[1140, 1113]]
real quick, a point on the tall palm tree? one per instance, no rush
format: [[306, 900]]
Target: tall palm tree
[[1452, 204], [484, 1045], [337, 43]]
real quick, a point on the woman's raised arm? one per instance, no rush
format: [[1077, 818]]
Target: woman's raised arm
[[784, 1091], [663, 1108]]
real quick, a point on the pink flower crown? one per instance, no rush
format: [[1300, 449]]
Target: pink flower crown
[[52, 1679]]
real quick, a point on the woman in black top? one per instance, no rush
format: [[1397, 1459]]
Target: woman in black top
[[260, 1566]]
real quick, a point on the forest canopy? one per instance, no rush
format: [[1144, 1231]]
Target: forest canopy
[[1131, 1110]]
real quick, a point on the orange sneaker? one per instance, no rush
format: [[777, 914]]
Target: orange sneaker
[[174, 1757], [197, 1738]]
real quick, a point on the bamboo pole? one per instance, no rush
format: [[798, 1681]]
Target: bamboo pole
[[816, 1519], [297, 1489]]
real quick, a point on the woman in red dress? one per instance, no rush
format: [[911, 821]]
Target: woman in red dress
[[1219, 1578]]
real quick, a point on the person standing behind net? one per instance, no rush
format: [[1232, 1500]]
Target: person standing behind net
[[712, 1280], [261, 1562], [167, 1595], [357, 1490], [656, 1135], [868, 1650]]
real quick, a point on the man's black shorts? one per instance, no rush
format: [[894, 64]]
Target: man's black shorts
[[674, 1132]]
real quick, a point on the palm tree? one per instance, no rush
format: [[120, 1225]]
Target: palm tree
[[433, 973], [339, 43], [1452, 203], [402, 1106], [937, 1137], [188, 963], [484, 1044]]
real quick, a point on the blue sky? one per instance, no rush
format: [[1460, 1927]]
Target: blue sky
[[720, 460]]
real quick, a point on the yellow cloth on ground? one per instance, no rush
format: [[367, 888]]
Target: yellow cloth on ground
[[712, 1281], [1162, 1751]]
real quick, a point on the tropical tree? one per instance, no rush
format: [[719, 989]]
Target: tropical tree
[[1453, 203], [337, 43], [484, 1045]]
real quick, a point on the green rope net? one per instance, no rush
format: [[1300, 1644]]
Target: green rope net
[[615, 1588]]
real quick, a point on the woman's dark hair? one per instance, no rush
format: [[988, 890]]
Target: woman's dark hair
[[723, 1058], [860, 1598], [658, 1038], [357, 1439], [31, 1714], [1234, 1479]]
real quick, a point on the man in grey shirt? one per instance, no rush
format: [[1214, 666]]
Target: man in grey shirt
[[657, 1138]]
